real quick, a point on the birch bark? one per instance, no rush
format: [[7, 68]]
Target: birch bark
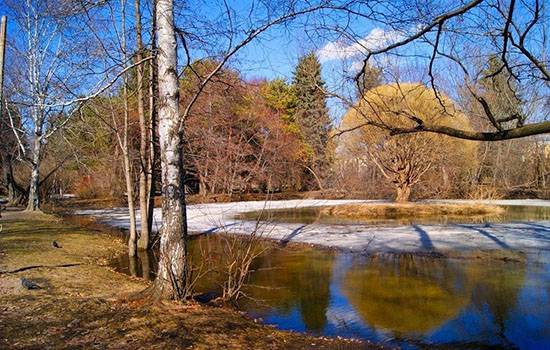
[[172, 273]]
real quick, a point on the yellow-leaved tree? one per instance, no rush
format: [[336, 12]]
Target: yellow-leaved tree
[[405, 159]]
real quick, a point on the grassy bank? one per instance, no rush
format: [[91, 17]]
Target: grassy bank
[[411, 210], [85, 304]]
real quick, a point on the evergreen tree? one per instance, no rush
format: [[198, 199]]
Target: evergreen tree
[[311, 115], [280, 96], [501, 92]]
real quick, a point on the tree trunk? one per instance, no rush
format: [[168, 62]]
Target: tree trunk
[[3, 24], [33, 203], [143, 242], [403, 193], [145, 266], [203, 190], [153, 136], [16, 194], [317, 179], [132, 246], [172, 276], [130, 198]]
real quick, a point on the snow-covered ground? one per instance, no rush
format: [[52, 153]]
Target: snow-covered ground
[[219, 217]]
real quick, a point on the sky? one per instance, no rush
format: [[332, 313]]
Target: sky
[[274, 53]]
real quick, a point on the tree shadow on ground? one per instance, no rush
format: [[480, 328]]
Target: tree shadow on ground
[[487, 234], [425, 239]]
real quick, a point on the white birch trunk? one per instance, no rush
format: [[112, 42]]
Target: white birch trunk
[[172, 271], [33, 203]]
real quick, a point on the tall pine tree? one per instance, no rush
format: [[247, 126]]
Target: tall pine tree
[[502, 94], [311, 115]]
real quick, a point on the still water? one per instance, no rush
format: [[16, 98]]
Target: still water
[[406, 300]]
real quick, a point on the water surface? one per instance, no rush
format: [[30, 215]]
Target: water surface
[[409, 300], [405, 299]]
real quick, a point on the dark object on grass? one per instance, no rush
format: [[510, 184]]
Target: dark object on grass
[[73, 323], [29, 284], [56, 245]]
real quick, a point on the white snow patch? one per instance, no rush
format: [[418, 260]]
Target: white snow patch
[[219, 217]]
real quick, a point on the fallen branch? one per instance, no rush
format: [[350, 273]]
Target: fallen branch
[[25, 268]]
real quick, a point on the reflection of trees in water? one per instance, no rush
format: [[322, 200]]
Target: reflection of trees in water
[[141, 265], [410, 294], [496, 289], [286, 280], [404, 293]]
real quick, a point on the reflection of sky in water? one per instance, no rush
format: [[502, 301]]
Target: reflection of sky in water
[[407, 300], [526, 325], [506, 306]]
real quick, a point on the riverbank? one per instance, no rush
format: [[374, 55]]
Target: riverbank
[[524, 236], [411, 211], [83, 303]]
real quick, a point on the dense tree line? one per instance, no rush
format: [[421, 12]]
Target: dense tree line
[[241, 136], [260, 136]]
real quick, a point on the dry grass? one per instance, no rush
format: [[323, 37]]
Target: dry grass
[[90, 306], [411, 210]]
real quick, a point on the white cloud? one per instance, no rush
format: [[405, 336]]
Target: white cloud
[[339, 50]]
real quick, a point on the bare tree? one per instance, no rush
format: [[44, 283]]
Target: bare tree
[[173, 272], [59, 72], [403, 159], [144, 160], [9, 143], [124, 145], [3, 30], [447, 41], [153, 126]]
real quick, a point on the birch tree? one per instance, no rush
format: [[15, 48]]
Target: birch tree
[[60, 68], [173, 270], [174, 273], [48, 42]]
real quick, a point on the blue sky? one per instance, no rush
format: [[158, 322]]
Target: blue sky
[[274, 53]]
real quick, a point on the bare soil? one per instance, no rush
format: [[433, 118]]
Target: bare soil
[[84, 304]]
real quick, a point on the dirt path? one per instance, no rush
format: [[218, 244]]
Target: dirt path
[[84, 304]]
